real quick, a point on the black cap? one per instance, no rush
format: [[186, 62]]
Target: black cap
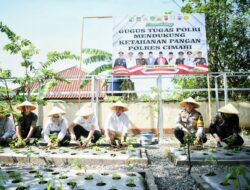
[[160, 52], [189, 52], [140, 53], [171, 53], [180, 53], [120, 52], [150, 52]]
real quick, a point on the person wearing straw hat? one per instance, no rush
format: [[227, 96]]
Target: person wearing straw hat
[[26, 124], [117, 123], [57, 124], [189, 120], [225, 127], [86, 125], [6, 127]]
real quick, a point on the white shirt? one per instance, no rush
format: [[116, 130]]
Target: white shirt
[[87, 124], [189, 61], [6, 128], [130, 62], [61, 126], [117, 123]]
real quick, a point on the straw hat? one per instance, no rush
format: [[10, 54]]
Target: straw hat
[[190, 100], [55, 110], [119, 104], [85, 111], [26, 104], [229, 108]]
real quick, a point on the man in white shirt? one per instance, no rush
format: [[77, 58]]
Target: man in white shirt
[[6, 127], [86, 125], [57, 125], [117, 123]]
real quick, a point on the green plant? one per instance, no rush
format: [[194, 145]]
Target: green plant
[[78, 162], [189, 139], [3, 178], [213, 163], [130, 182], [89, 177], [235, 173], [116, 176], [53, 139], [16, 176], [72, 183]]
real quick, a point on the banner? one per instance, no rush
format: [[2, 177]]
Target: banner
[[167, 44]]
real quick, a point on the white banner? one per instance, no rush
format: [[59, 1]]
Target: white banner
[[175, 42]]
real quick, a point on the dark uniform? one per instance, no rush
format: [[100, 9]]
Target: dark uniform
[[189, 121], [179, 61], [120, 62], [140, 61], [25, 122], [227, 129], [200, 60]]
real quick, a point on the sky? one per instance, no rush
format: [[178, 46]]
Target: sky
[[56, 25]]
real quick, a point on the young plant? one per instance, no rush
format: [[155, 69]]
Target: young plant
[[116, 176], [16, 176], [3, 179], [89, 177], [188, 141], [54, 140], [72, 183], [234, 174], [78, 162], [130, 182], [213, 163]]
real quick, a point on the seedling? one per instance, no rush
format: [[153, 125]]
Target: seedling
[[72, 183], [130, 182], [113, 188], [89, 177], [188, 141], [213, 163], [101, 183], [3, 179], [54, 140], [116, 176], [16, 176], [234, 174], [78, 163]]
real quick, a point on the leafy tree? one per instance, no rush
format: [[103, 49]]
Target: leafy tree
[[43, 75], [228, 37]]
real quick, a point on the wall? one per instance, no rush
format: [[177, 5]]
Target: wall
[[143, 116]]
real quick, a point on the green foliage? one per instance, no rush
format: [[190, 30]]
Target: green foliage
[[53, 139], [43, 75], [235, 173], [212, 162], [3, 178], [227, 29], [113, 99]]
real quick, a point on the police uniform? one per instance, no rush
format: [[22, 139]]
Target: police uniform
[[189, 121], [120, 62], [179, 61], [140, 61], [200, 60]]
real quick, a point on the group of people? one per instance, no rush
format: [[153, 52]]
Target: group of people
[[84, 125], [224, 128], [188, 60]]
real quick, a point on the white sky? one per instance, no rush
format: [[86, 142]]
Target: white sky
[[55, 25]]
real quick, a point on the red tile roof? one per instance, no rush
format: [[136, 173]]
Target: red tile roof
[[71, 90]]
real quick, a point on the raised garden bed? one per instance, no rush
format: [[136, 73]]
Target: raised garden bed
[[73, 179]]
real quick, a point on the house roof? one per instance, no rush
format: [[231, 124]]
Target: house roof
[[70, 90]]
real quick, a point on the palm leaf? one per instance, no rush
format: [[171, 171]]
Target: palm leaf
[[97, 71], [93, 52], [97, 58]]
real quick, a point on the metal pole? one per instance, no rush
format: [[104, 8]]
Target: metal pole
[[216, 93], [97, 99], [225, 88], [160, 109], [80, 66], [209, 98], [40, 112], [92, 91]]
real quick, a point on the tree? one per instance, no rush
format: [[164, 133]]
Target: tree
[[228, 37], [43, 75]]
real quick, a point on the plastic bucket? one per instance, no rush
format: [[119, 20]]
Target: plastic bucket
[[146, 138]]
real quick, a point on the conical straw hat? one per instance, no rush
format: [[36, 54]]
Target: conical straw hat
[[229, 108], [119, 104], [26, 104], [85, 111], [190, 100], [56, 110]]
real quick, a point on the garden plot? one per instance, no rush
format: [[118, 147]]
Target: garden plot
[[223, 156], [13, 178], [224, 180], [65, 155]]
